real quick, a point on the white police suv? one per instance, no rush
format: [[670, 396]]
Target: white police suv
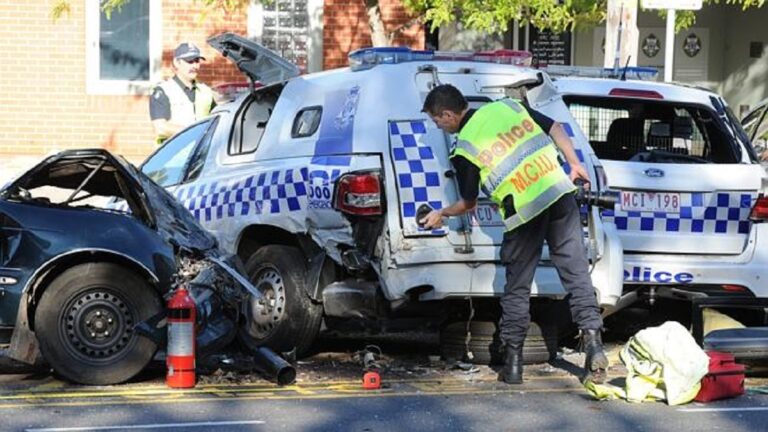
[[691, 191], [316, 180]]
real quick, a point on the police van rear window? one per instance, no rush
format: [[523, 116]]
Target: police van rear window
[[653, 131]]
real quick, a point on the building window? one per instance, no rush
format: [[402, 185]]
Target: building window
[[283, 26], [123, 51]]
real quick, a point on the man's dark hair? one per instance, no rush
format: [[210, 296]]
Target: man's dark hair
[[444, 97]]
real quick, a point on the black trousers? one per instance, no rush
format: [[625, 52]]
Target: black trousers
[[521, 250]]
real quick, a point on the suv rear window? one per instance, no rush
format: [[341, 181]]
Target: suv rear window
[[653, 131]]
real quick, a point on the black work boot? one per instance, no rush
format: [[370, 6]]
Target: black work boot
[[596, 362], [512, 372]]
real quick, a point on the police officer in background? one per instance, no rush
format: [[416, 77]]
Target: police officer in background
[[180, 101], [505, 148]]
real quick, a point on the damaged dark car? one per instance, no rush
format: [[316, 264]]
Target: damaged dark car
[[83, 282]]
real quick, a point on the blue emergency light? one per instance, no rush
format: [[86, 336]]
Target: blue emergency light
[[634, 72], [366, 58]]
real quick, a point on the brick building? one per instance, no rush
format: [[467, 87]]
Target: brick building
[[83, 80]]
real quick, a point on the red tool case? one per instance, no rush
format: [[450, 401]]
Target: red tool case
[[724, 380]]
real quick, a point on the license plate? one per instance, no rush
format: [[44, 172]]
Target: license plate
[[668, 202], [486, 215]]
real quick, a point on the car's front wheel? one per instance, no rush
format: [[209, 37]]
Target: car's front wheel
[[285, 317], [85, 323]]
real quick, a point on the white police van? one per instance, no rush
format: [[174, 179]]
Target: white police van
[[691, 190], [315, 181]]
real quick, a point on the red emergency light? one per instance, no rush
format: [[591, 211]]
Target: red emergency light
[[645, 94]]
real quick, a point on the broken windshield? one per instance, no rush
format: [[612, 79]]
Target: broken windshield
[[85, 179]]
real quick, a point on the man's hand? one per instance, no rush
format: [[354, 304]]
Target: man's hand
[[564, 143], [764, 155], [578, 172], [433, 219]]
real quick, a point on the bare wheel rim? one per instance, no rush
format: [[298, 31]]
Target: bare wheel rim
[[97, 326], [268, 311]]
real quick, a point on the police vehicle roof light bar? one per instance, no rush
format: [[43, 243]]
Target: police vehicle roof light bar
[[635, 72], [367, 58]]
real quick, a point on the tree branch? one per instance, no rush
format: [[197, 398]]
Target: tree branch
[[405, 26]]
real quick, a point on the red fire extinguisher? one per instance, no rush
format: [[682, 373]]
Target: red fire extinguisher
[[180, 358]]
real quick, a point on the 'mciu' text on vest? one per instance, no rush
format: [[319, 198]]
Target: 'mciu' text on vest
[[527, 174]]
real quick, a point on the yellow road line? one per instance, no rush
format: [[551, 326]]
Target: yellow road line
[[359, 394], [308, 388]]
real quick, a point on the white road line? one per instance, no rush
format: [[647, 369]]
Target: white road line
[[149, 426], [722, 409]]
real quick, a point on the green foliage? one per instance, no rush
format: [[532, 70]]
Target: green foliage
[[59, 9], [109, 6], [687, 18], [495, 16], [492, 16]]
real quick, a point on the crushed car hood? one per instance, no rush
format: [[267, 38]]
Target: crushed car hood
[[99, 172]]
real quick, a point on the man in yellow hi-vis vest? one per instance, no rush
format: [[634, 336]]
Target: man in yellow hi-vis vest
[[180, 101], [506, 149]]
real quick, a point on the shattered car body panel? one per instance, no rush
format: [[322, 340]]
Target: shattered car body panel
[[54, 219]]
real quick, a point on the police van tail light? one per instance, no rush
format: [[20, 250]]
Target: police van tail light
[[759, 210], [634, 93], [359, 193]]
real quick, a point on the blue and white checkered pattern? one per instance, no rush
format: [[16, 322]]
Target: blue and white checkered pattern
[[719, 213], [267, 192], [418, 172]]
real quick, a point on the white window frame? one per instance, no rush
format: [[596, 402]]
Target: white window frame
[[93, 83]]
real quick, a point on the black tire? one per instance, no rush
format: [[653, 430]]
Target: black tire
[[84, 323], [539, 347], [289, 317]]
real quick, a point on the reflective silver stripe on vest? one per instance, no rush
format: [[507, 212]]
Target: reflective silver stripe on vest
[[468, 147], [511, 162], [512, 104], [538, 205]]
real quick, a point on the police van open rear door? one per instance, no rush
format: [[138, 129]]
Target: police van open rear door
[[421, 147]]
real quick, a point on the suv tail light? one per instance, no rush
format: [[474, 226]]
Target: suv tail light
[[734, 288], [359, 193], [759, 211], [646, 94]]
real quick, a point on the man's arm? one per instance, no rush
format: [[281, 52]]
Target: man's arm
[[166, 128], [564, 143], [434, 219], [160, 114], [468, 177]]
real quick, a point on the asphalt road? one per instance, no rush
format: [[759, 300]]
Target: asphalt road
[[418, 404], [420, 393]]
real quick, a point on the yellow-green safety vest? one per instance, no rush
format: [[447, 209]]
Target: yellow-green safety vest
[[515, 157], [183, 111]]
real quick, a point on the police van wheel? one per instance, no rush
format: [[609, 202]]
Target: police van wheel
[[286, 318], [540, 345], [84, 323]]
